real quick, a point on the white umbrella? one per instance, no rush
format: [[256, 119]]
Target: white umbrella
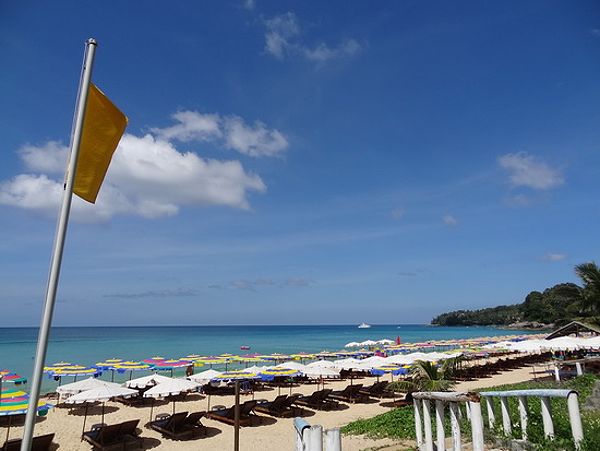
[[321, 364], [147, 381], [317, 373], [83, 385], [368, 343], [170, 388], [100, 394], [292, 366], [204, 377], [385, 341], [347, 364], [352, 344]]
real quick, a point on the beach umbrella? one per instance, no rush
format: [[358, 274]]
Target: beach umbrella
[[84, 385], [352, 344], [321, 364], [131, 366], [101, 394], [9, 376], [209, 360], [171, 364], [107, 364], [292, 366], [154, 360], [147, 381], [204, 377], [320, 373], [237, 375], [271, 373], [73, 371], [392, 370], [16, 402], [170, 388], [302, 356], [385, 341]]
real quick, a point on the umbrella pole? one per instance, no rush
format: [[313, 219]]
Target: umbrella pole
[[8, 430], [84, 418], [103, 412], [151, 409], [236, 416], [112, 375], [208, 407], [173, 406]]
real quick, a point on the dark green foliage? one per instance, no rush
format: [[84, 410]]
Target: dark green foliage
[[558, 305]]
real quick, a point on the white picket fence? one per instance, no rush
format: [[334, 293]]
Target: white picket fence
[[313, 438], [472, 401]]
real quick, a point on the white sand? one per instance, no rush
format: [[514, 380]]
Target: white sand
[[273, 434]]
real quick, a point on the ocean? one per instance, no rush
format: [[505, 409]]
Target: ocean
[[88, 345]]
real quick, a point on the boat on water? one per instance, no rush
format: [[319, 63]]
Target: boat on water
[[244, 347], [364, 326]]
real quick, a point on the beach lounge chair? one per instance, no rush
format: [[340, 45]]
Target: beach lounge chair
[[174, 426], [128, 433], [279, 407], [317, 400], [377, 390], [40, 443], [228, 415], [349, 394], [103, 437], [193, 421]]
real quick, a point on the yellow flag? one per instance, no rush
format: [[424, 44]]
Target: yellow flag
[[103, 127]]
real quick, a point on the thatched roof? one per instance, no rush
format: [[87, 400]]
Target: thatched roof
[[575, 327]]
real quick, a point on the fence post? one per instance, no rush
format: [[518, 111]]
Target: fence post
[[505, 416], [427, 425], [333, 440], [313, 438], [575, 419], [523, 416], [556, 373], [418, 423], [490, 409], [547, 417], [439, 422], [476, 425], [579, 369], [454, 421]]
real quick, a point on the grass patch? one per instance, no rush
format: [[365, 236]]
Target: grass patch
[[400, 423]]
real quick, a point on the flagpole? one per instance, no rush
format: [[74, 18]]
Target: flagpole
[[59, 241]]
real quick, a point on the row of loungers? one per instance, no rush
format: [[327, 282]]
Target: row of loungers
[[40, 443]]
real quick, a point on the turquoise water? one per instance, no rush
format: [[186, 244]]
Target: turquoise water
[[88, 345]]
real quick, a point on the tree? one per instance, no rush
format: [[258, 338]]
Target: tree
[[427, 376], [589, 295]]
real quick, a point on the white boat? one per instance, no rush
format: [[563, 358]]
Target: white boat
[[364, 326]]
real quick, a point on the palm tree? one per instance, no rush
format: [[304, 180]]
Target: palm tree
[[426, 376], [589, 295]]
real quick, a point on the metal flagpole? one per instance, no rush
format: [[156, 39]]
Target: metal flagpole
[[59, 241]]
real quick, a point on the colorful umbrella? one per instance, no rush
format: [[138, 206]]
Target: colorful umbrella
[[8, 376], [235, 376], [154, 360], [131, 366], [108, 364], [75, 371], [171, 364], [209, 360], [17, 405]]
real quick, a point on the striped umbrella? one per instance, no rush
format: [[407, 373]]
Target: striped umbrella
[[237, 375], [8, 376], [107, 364], [271, 373], [210, 360], [154, 360], [130, 366], [393, 370], [171, 364], [17, 405]]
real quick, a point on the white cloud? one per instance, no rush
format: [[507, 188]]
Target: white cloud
[[229, 131], [254, 140], [450, 220], [526, 170], [249, 4], [282, 31], [323, 52], [192, 126], [283, 38], [551, 257], [148, 177]]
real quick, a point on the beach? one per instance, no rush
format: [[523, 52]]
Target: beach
[[268, 434]]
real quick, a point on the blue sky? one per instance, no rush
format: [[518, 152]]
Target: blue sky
[[302, 162]]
